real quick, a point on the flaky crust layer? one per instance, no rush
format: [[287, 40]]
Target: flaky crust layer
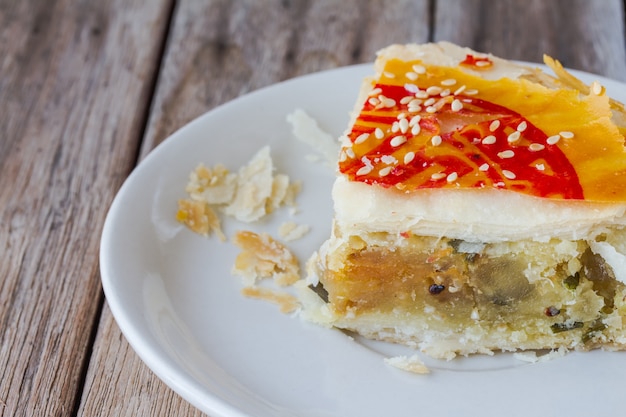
[[472, 215]]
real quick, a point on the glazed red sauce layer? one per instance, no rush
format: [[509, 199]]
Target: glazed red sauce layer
[[462, 158]]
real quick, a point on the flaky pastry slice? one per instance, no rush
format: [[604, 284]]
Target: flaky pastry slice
[[479, 206]]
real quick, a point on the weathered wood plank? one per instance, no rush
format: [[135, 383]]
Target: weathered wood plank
[[119, 384], [222, 49], [585, 35], [218, 50], [71, 110]]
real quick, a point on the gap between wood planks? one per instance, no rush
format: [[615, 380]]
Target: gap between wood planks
[[158, 64], [432, 13]]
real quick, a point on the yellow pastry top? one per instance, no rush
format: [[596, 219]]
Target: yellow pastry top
[[424, 125]]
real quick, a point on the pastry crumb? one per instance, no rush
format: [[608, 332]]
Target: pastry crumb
[[248, 195], [531, 356], [306, 129], [199, 217], [286, 302], [263, 257], [255, 184], [291, 231], [212, 185], [408, 363]]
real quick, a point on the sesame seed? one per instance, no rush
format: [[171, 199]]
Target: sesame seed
[[343, 156], [415, 109], [429, 102], [411, 88], [397, 141], [383, 172], [452, 177], [388, 102], [364, 170], [445, 93], [448, 82], [514, 137], [493, 126], [389, 74], [436, 140], [566, 134], [460, 90], [434, 90], [416, 129], [499, 184], [471, 92], [395, 127], [421, 94], [456, 105], [415, 119], [596, 88], [401, 116], [388, 159], [373, 101], [535, 147], [409, 157], [553, 140], [411, 76], [540, 167], [431, 109], [489, 140], [404, 125], [406, 99], [484, 167], [375, 92], [379, 133], [437, 176], [420, 69], [522, 126], [350, 153], [508, 174], [416, 102], [506, 154], [361, 138]]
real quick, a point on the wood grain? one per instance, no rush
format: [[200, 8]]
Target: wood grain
[[221, 49], [119, 384], [70, 133], [585, 35]]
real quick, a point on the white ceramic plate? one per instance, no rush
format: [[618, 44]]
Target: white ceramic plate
[[176, 302]]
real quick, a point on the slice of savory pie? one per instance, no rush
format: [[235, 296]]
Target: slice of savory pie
[[480, 205]]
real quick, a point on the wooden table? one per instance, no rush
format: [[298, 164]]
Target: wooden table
[[88, 88]]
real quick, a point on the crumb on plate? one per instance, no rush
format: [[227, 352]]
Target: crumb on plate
[[248, 195], [287, 302], [291, 231], [263, 257], [532, 357], [306, 129], [199, 217], [408, 363]]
